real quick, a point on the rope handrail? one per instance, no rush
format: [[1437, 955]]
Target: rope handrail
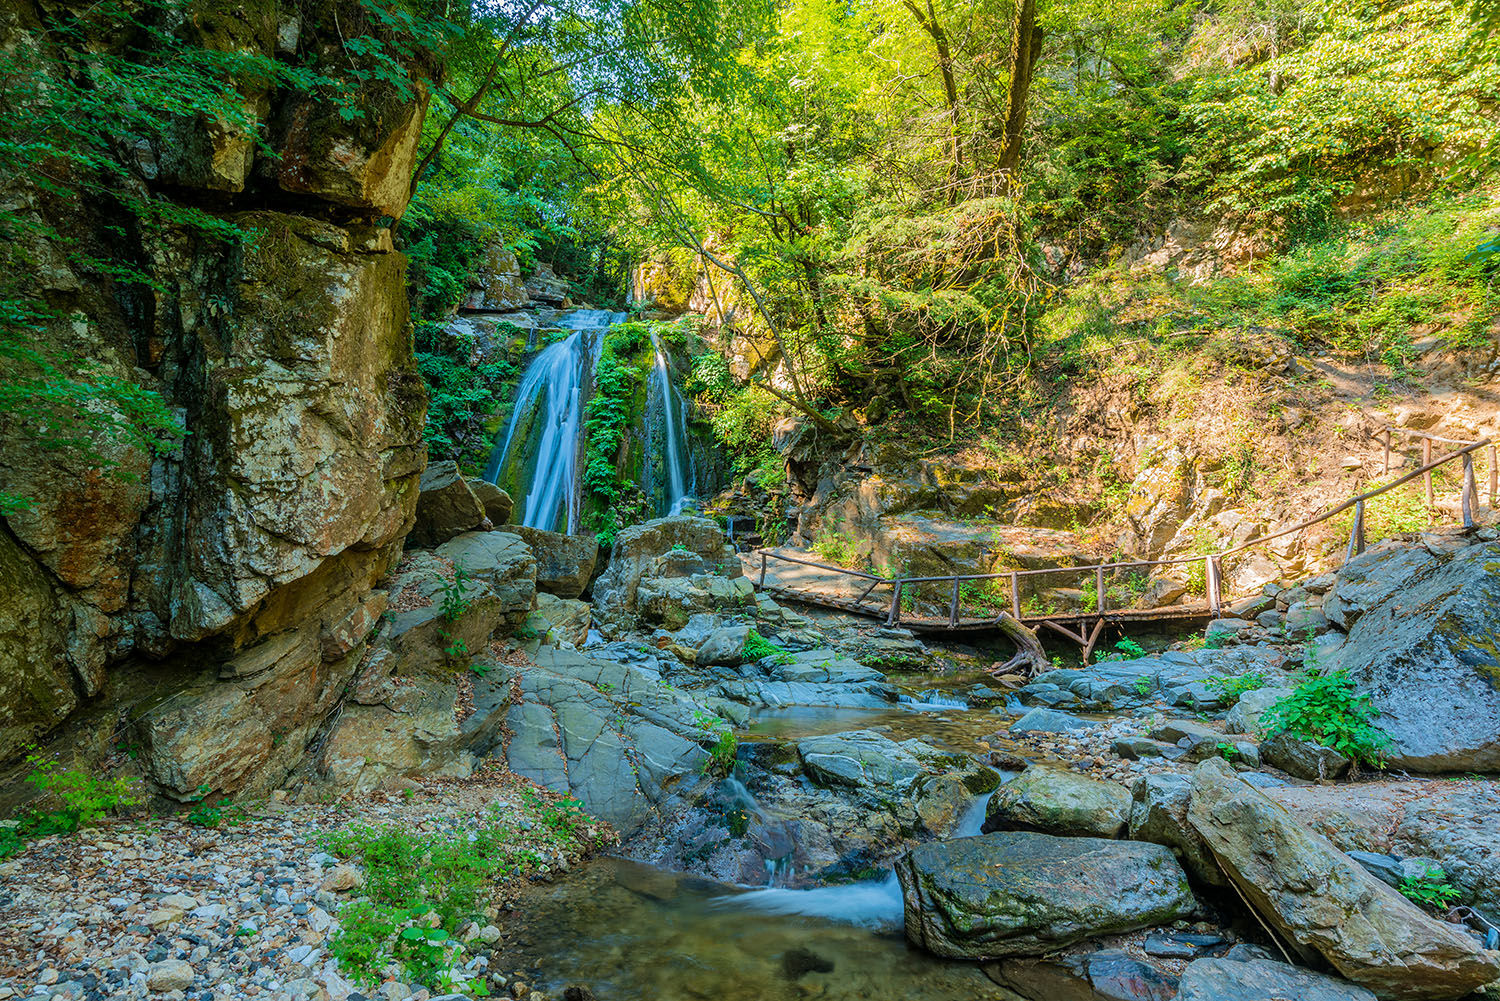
[[1212, 570]]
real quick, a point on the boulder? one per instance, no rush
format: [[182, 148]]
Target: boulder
[[1135, 748], [412, 733], [503, 563], [446, 507], [636, 549], [1057, 801], [1256, 979], [496, 502], [1324, 902], [1158, 814], [864, 759], [724, 646], [1429, 655], [1042, 720], [1023, 894], [1220, 630], [1303, 758], [1087, 976], [1172, 730], [495, 284], [1373, 578], [561, 620], [564, 563], [1245, 716]]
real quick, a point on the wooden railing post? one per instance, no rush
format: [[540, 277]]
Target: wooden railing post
[[1356, 533], [1099, 589], [894, 615], [1426, 460], [1387, 468], [1015, 597], [1468, 493], [953, 608], [762, 569]]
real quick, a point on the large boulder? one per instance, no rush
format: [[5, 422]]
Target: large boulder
[[637, 548], [1373, 578], [1255, 979], [865, 759], [1252, 705], [1111, 974], [1020, 894], [495, 284], [564, 563], [561, 620], [497, 504], [1303, 758], [1324, 902], [502, 563], [1057, 801], [1429, 655], [445, 507], [1158, 814]]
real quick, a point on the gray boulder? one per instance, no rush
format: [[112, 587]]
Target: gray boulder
[[445, 506], [1303, 758], [1022, 894], [1246, 714], [1260, 979], [1057, 801], [1220, 630], [1429, 655], [865, 759], [1158, 814], [1373, 578], [635, 553], [724, 646], [1324, 902], [1042, 720], [1085, 976], [503, 563], [497, 503], [564, 563]]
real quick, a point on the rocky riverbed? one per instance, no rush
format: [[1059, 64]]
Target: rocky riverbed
[[794, 821]]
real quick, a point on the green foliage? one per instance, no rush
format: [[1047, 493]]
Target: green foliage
[[721, 754], [211, 814], [836, 547], [71, 799], [1230, 687], [619, 374], [463, 399], [455, 594], [757, 648], [1328, 709], [1431, 889], [420, 888]]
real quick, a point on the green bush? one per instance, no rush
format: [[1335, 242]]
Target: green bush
[[1231, 687], [1327, 709], [1431, 889], [71, 798], [757, 647]]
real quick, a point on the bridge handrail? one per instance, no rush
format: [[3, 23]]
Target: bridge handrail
[[1468, 499]]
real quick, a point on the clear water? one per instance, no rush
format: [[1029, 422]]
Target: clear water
[[630, 932], [551, 394]]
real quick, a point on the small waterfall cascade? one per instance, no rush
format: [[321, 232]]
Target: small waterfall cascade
[[667, 427], [544, 437], [933, 700]]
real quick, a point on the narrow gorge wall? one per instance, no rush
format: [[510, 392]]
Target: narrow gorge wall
[[206, 608]]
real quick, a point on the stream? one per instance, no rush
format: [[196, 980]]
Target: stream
[[629, 931]]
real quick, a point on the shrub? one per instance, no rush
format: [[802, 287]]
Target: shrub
[[757, 647], [1327, 709], [1231, 687], [1431, 889], [836, 547], [72, 799]]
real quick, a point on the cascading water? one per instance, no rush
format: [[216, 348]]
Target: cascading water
[[543, 438], [668, 414]]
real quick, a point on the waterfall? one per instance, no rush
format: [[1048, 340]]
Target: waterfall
[[549, 416], [666, 401]]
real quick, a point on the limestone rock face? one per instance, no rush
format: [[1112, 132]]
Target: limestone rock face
[[863, 758], [561, 620], [1021, 894], [1056, 801], [564, 563], [1325, 902], [1429, 654], [242, 558]]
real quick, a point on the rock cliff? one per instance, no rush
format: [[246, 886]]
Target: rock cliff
[[225, 589]]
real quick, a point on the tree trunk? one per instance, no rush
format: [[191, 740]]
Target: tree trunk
[[1029, 653], [1026, 47]]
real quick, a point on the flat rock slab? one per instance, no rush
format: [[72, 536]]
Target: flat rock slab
[[1021, 894], [1326, 903], [1259, 980]]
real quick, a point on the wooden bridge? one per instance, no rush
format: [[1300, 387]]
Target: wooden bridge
[[870, 595]]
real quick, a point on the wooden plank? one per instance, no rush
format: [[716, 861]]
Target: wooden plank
[[1427, 461]]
